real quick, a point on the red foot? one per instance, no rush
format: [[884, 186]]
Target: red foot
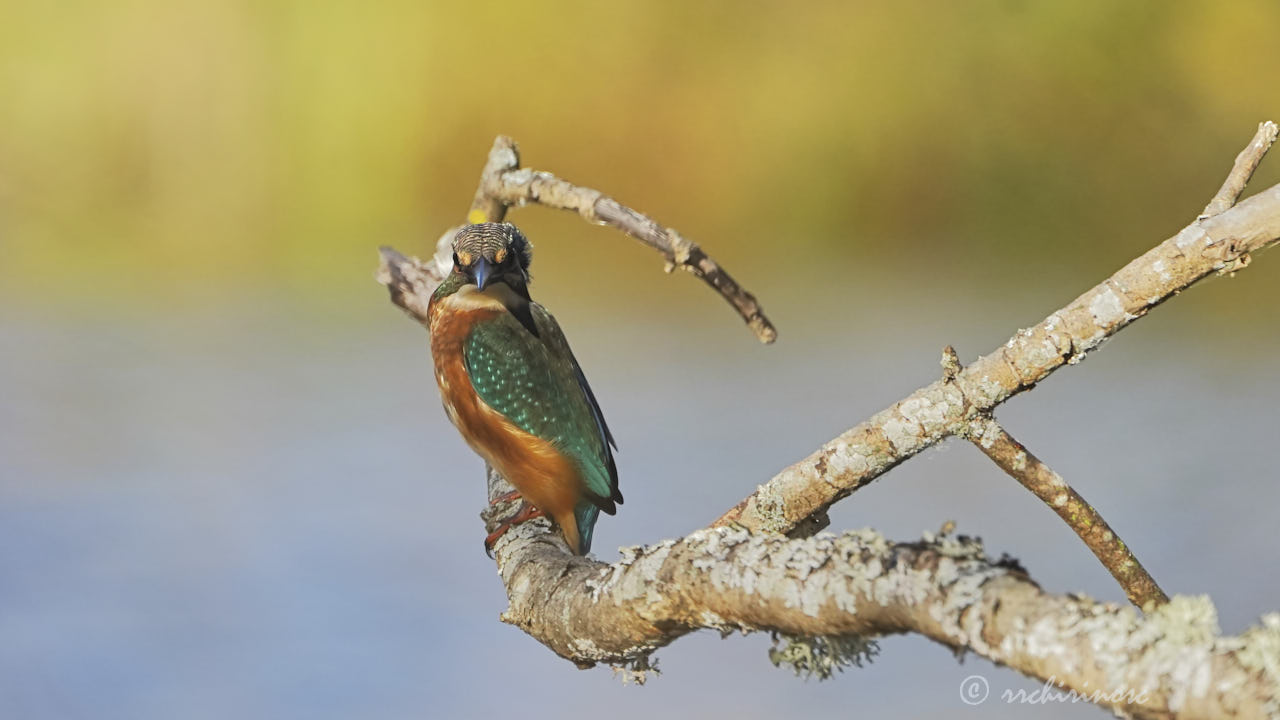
[[506, 497], [525, 513]]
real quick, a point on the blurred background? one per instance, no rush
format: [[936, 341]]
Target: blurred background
[[227, 488]]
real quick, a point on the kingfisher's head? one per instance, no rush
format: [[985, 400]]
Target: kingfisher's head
[[489, 253]]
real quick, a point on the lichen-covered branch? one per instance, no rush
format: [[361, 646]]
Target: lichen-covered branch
[[1044, 483], [832, 595], [1222, 243], [1014, 458], [504, 184], [851, 588]]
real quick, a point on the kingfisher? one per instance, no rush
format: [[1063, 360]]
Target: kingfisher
[[514, 390]]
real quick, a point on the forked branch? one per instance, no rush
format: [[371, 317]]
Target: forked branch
[[1079, 515], [853, 587], [1242, 170], [1014, 458], [1222, 243]]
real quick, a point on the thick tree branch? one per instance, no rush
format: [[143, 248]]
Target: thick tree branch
[[850, 588], [1044, 483]]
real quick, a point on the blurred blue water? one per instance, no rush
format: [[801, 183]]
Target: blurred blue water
[[255, 512]]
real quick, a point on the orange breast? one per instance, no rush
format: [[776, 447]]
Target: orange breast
[[545, 478]]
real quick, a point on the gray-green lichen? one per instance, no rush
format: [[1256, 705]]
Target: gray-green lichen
[[821, 657], [636, 670], [771, 509]]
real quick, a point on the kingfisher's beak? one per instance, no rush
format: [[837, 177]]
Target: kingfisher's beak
[[481, 271]]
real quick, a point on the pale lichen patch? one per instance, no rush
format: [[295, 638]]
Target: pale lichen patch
[[1107, 308], [1260, 653], [584, 647], [1185, 619], [634, 577], [523, 176], [715, 622], [771, 509], [1161, 270], [503, 156], [931, 412], [1190, 236], [903, 434], [602, 580], [990, 388], [1020, 461], [847, 459], [629, 554], [1045, 639]]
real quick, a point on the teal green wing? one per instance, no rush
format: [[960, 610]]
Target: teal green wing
[[536, 383]]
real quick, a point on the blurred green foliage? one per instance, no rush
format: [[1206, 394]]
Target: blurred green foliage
[[202, 146]]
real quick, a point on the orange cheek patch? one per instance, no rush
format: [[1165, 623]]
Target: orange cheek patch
[[501, 255], [464, 259]]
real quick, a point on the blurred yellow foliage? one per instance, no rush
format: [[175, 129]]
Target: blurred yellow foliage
[[241, 142]]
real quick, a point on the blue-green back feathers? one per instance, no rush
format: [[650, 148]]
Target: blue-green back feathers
[[536, 383]]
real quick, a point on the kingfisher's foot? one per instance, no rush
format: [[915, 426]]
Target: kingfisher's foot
[[506, 497], [525, 513]]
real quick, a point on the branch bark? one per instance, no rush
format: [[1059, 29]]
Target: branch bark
[[1242, 170], [834, 594], [1222, 243], [504, 184], [1079, 515], [1018, 462], [845, 590]]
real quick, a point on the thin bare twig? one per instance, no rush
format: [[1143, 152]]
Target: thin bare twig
[[504, 184], [1246, 163], [1014, 458]]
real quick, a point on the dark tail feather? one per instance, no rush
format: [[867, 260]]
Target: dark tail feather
[[585, 514]]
